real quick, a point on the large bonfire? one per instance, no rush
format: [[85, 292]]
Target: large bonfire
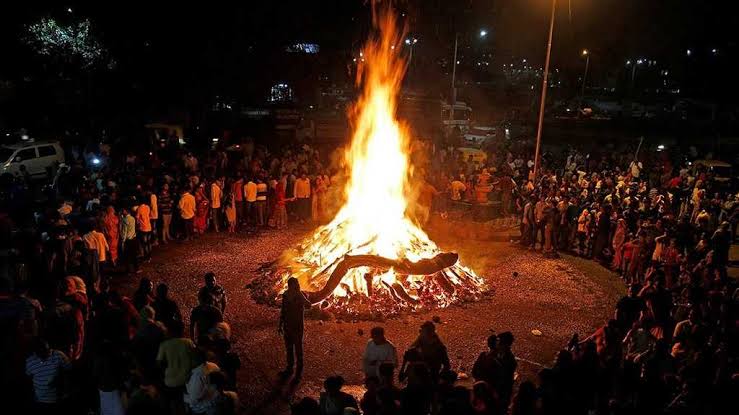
[[372, 260]]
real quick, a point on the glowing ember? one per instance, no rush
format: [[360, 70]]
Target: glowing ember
[[373, 220]]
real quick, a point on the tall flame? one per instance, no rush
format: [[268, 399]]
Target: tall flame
[[374, 218]]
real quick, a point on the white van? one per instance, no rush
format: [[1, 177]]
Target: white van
[[38, 157]]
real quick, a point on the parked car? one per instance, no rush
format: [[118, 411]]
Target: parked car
[[38, 157]]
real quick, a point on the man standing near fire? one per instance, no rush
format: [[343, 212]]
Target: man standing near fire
[[294, 303]]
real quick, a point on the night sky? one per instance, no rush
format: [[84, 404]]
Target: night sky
[[189, 52]]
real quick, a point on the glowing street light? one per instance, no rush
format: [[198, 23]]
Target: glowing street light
[[412, 43]]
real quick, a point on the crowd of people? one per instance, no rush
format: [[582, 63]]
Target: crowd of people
[[671, 345], [68, 247], [666, 229]]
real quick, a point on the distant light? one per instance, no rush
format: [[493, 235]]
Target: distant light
[[457, 62], [639, 61], [69, 10], [407, 41], [151, 153], [628, 62], [24, 137], [361, 54], [585, 52], [661, 147], [714, 51], [215, 140], [483, 33], [392, 46], [355, 59], [688, 52], [96, 161], [524, 61]]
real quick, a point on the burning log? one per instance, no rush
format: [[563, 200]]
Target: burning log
[[422, 267]]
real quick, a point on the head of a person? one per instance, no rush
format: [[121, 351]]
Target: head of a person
[[210, 279], [506, 339], [333, 384], [481, 391], [428, 329], [162, 290], [41, 348], [492, 342], [306, 406], [293, 285], [378, 335], [176, 328], [146, 286]]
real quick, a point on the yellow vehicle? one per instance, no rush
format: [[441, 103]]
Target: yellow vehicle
[[477, 155]]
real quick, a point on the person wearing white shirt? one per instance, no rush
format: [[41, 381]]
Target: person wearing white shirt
[[377, 352]]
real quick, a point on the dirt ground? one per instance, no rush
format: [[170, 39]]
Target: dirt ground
[[556, 297]]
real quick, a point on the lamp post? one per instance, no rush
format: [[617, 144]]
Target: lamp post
[[634, 65], [585, 53], [454, 75], [483, 33], [412, 43], [544, 87]]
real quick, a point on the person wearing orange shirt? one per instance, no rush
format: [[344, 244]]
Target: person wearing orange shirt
[[143, 229]]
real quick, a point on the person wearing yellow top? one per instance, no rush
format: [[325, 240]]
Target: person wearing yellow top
[[154, 215], [215, 203], [250, 194], [302, 197], [186, 207]]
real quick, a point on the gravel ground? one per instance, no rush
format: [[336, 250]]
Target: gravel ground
[[554, 297]]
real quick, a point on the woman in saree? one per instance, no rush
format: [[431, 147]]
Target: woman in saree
[[619, 238], [201, 210], [109, 224]]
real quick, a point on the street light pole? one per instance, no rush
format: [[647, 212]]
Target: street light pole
[[544, 87], [585, 75], [454, 75]]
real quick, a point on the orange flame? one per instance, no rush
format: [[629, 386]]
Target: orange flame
[[373, 219]]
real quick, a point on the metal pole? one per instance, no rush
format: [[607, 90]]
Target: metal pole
[[544, 87], [454, 75], [584, 77]]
